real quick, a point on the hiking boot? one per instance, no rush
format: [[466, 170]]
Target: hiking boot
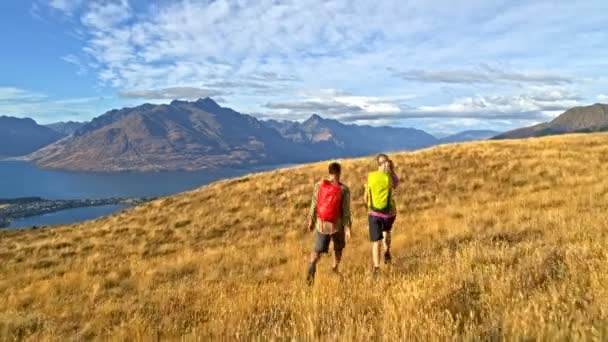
[[310, 276], [387, 257], [375, 272], [336, 272]]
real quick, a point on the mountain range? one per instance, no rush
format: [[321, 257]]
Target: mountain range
[[22, 136], [201, 134], [585, 119], [331, 138], [470, 135], [186, 135]]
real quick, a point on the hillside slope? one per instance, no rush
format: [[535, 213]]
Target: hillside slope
[[496, 239], [585, 119]]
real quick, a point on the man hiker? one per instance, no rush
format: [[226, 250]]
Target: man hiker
[[329, 216], [378, 197]]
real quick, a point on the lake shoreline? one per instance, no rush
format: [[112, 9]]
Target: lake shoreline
[[19, 179], [23, 207]]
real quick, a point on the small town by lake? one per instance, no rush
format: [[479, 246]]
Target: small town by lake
[[22, 179]]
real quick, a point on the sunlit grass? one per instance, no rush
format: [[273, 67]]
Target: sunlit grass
[[493, 240]]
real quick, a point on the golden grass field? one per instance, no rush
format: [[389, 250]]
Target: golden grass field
[[500, 240]]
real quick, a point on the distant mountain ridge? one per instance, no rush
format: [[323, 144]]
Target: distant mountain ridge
[[334, 138], [20, 136], [584, 119], [470, 135], [66, 127]]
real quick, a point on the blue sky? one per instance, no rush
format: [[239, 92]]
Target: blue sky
[[438, 65]]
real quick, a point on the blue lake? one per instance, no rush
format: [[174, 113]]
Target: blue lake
[[66, 216], [22, 179]]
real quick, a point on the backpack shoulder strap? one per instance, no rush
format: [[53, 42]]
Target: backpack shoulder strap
[[370, 202]]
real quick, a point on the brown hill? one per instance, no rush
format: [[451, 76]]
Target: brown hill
[[576, 120], [498, 240]]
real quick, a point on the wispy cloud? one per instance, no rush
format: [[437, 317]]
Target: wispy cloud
[[530, 107], [75, 60], [105, 15], [482, 74], [307, 107], [272, 57], [17, 94], [47, 109], [533, 107], [182, 93], [66, 6], [337, 104]]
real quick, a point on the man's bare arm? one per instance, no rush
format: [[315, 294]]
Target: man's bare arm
[[346, 214], [312, 211]]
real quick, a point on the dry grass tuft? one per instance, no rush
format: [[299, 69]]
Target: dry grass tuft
[[493, 240]]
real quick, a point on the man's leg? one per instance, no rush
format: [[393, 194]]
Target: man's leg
[[387, 246], [321, 246], [376, 249], [312, 266], [314, 257], [339, 241], [386, 233], [337, 259], [375, 236]]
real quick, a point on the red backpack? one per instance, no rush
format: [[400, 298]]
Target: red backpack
[[329, 201]]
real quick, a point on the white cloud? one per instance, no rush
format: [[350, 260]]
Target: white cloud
[[533, 107], [497, 107], [104, 16], [66, 6], [75, 60], [483, 73], [17, 94], [350, 102], [186, 40], [327, 93], [46, 109], [286, 58], [182, 93], [336, 104], [602, 98], [372, 104]]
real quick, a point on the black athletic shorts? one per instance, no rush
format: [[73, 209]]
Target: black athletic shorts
[[322, 241], [377, 225]]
